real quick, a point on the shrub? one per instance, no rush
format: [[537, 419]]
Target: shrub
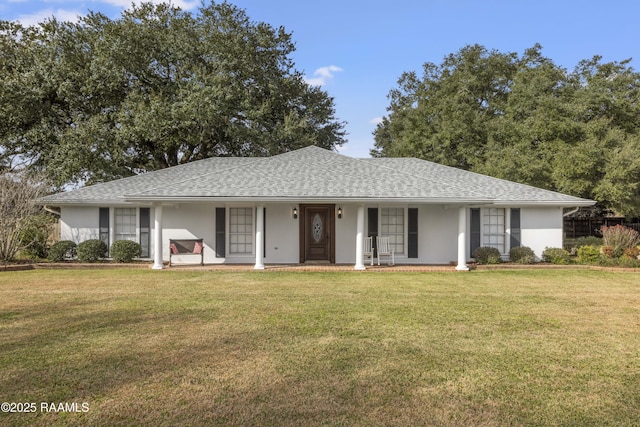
[[92, 250], [572, 245], [125, 250], [588, 241], [588, 254], [556, 256], [62, 250], [34, 235], [619, 238], [631, 253], [487, 255], [607, 252], [522, 255]]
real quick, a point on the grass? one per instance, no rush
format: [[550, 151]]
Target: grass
[[204, 348]]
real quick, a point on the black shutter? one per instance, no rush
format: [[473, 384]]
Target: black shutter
[[145, 231], [103, 225], [372, 214], [515, 228], [475, 230], [413, 233], [220, 232]]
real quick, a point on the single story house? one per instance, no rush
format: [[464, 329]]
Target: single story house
[[315, 205]]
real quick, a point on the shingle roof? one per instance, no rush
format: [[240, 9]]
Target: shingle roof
[[313, 173]]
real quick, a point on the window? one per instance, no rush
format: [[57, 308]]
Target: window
[[392, 226], [125, 224], [240, 230], [493, 229]]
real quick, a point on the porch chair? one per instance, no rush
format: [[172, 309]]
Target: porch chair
[[367, 251], [384, 248]]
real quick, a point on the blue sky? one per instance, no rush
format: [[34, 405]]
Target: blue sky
[[357, 49]]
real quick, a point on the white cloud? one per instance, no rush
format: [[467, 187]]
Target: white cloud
[[182, 4], [322, 75], [376, 120], [44, 14]]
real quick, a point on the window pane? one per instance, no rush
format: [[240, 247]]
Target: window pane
[[241, 230], [493, 228], [392, 226], [125, 224]]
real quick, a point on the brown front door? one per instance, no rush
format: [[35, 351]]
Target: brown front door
[[316, 233]]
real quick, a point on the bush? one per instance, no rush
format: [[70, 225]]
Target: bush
[[556, 256], [487, 255], [34, 235], [92, 250], [522, 255], [125, 250], [62, 250], [588, 254], [572, 245], [631, 253], [619, 238], [588, 241]]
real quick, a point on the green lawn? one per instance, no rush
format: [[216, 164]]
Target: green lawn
[[266, 348]]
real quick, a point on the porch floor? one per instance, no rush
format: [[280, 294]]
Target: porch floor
[[315, 267]]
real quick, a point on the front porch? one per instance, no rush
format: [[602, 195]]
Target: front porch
[[277, 234]]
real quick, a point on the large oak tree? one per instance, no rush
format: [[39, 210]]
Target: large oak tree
[[526, 119], [105, 98]]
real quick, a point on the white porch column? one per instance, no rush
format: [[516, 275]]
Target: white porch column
[[462, 239], [157, 239], [359, 239], [259, 238]]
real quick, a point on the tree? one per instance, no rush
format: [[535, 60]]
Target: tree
[[17, 212], [525, 119], [102, 99]]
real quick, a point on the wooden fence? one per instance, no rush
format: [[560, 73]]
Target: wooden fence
[[582, 227]]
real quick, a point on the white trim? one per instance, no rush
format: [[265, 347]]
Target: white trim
[[462, 239], [228, 253], [157, 242]]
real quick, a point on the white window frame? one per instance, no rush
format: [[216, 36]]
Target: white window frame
[[250, 234], [117, 235], [399, 249], [491, 238]]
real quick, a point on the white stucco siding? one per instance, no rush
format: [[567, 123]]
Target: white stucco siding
[[79, 223], [541, 228], [437, 235], [282, 235], [346, 234], [189, 221]]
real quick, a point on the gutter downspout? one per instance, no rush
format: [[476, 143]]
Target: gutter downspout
[[53, 211], [571, 212]]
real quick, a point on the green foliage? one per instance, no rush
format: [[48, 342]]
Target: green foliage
[[588, 254], [35, 234], [522, 255], [125, 250], [587, 241], [623, 262], [487, 255], [62, 250], [105, 98], [523, 118], [92, 250], [619, 238], [556, 256]]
